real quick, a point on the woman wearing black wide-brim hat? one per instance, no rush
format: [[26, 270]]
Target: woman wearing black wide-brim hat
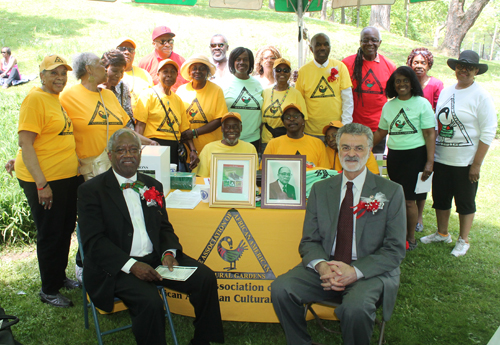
[[467, 122]]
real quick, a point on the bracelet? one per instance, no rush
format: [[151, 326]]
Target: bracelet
[[167, 253], [194, 133], [43, 187], [196, 130]]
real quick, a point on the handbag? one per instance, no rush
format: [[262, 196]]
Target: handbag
[[276, 132], [6, 321], [181, 149], [96, 165]]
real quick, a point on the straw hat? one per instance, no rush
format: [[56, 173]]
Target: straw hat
[[196, 59]]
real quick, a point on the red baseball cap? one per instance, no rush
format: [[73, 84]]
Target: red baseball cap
[[161, 30]]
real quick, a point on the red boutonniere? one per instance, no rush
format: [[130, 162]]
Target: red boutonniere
[[152, 197], [371, 204], [334, 74]]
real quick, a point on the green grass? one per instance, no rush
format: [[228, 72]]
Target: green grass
[[442, 299]]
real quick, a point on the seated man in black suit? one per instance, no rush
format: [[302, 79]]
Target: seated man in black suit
[[281, 188], [124, 238]]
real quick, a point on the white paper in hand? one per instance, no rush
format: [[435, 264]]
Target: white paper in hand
[[423, 186], [180, 273]]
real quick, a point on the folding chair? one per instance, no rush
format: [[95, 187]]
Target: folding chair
[[334, 303], [87, 303]]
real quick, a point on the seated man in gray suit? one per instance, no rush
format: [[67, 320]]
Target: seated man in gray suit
[[350, 252], [281, 188]]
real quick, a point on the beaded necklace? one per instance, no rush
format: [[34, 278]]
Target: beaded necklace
[[282, 100]]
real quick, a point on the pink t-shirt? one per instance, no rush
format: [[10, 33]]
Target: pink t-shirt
[[432, 91]]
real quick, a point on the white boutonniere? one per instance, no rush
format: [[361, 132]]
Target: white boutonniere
[[371, 204]]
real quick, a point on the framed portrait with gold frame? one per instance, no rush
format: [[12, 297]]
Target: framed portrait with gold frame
[[283, 182], [233, 180]]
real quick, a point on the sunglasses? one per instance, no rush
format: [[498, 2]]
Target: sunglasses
[[162, 42], [466, 67], [124, 49], [4, 52], [217, 45], [284, 70]]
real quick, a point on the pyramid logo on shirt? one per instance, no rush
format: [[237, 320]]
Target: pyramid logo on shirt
[[451, 132], [195, 109], [273, 110], [68, 125], [323, 90], [245, 101], [99, 116], [166, 124], [401, 125], [233, 253], [58, 59], [371, 84]]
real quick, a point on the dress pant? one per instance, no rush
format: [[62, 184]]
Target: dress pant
[[299, 286], [54, 229], [146, 308]]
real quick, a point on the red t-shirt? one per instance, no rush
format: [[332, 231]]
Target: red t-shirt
[[151, 61], [368, 109]]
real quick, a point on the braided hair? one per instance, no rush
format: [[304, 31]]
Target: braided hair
[[357, 74]]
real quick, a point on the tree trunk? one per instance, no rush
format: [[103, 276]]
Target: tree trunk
[[436, 34], [493, 42], [458, 23], [332, 16], [271, 4], [342, 15], [407, 8], [323, 10], [380, 17]]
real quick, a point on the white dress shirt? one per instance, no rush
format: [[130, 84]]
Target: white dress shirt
[[141, 243], [357, 187]]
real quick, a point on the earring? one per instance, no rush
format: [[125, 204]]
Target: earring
[[43, 82]]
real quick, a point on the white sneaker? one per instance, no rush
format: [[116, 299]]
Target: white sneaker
[[436, 237], [79, 273], [461, 248]]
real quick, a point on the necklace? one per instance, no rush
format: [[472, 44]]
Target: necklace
[[282, 100]]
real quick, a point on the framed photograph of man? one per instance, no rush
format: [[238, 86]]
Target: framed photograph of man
[[283, 181], [233, 180]]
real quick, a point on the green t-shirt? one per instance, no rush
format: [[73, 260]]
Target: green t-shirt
[[404, 120], [245, 97]]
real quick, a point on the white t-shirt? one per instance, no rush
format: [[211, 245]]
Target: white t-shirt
[[463, 118], [245, 97]]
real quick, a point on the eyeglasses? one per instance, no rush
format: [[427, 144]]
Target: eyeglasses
[[289, 117], [162, 42], [4, 52], [284, 70], [133, 151], [219, 45], [469, 68], [285, 174], [269, 58], [347, 148], [124, 49], [370, 39]]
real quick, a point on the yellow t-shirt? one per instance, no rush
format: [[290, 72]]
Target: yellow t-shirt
[[137, 80], [272, 108], [311, 147], [203, 106], [203, 168], [323, 99], [86, 110], [54, 145], [334, 159], [150, 112]]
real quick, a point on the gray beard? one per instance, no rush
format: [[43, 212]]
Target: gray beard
[[361, 164], [220, 58]]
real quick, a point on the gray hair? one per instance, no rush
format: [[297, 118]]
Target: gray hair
[[313, 39], [371, 28], [355, 129], [118, 133], [81, 60], [220, 35]]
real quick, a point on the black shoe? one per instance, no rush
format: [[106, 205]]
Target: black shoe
[[71, 284], [56, 300]]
